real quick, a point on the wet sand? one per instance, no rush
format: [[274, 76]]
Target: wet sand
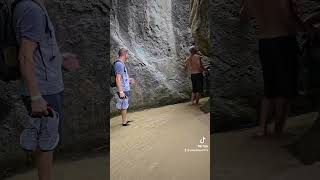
[[237, 155], [85, 169], [153, 146]]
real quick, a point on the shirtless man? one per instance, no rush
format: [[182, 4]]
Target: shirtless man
[[194, 64], [277, 26]]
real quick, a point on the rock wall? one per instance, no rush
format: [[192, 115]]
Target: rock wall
[[236, 79], [199, 24], [82, 27], [157, 35], [307, 148], [237, 84]]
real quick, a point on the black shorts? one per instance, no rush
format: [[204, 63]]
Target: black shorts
[[197, 83], [279, 60]]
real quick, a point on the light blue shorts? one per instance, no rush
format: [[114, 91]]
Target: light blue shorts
[[123, 104], [52, 127]]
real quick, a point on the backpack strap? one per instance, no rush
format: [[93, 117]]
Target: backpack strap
[[13, 7], [125, 69]]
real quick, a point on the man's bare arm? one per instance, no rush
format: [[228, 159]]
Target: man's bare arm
[[118, 82], [27, 66]]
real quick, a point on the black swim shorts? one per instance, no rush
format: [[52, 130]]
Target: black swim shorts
[[197, 82], [279, 60]]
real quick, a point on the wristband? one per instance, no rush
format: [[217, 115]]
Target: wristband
[[35, 98]]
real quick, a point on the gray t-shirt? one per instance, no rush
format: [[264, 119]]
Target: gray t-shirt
[[33, 23], [121, 69]]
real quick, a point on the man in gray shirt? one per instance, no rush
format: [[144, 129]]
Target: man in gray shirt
[[41, 68], [123, 84]]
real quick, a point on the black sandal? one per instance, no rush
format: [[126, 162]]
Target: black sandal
[[126, 124]]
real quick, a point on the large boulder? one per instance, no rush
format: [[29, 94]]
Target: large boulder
[[236, 72], [82, 27], [157, 35], [307, 148]]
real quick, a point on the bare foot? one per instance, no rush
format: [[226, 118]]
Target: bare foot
[[261, 133]]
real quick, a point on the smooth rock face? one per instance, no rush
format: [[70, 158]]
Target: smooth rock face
[[199, 24], [82, 27], [157, 36]]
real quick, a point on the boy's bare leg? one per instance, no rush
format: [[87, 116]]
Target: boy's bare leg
[[266, 109], [282, 110], [124, 116], [197, 98], [193, 98], [44, 164]]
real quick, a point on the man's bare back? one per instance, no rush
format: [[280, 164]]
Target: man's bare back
[[274, 18], [194, 63]]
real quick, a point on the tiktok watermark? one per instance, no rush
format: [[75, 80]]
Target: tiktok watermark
[[202, 147]]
